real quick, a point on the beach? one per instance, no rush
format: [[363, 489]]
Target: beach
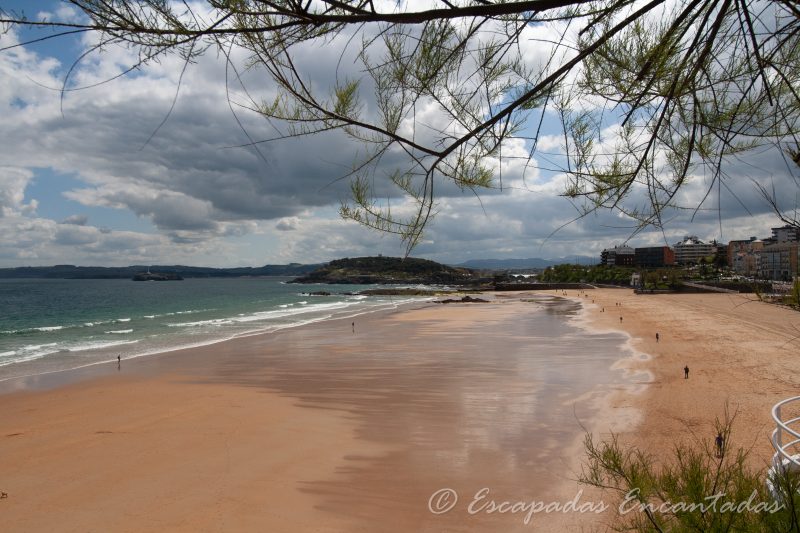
[[740, 352], [322, 428]]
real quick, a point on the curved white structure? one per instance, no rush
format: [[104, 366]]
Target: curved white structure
[[785, 440]]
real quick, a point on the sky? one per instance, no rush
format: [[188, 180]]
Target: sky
[[101, 178]]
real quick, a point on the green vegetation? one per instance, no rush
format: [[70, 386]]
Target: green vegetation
[[691, 489], [663, 279], [613, 275], [793, 298], [362, 270]]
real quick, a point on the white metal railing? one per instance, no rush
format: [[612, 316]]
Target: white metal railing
[[787, 454]]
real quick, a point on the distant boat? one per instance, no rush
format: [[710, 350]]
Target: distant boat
[[156, 276]]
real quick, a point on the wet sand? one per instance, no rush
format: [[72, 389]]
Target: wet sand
[[740, 352], [317, 428], [320, 429]]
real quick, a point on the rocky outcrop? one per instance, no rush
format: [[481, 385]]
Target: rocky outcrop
[[465, 299]]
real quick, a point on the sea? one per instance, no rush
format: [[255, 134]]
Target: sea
[[53, 325]]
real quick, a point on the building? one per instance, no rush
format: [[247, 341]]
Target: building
[[735, 247], [786, 233], [624, 260], [779, 261], [720, 254], [691, 250], [747, 262], [654, 257], [618, 255], [744, 257]]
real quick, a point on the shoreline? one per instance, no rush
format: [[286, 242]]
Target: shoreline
[[50, 379], [414, 400], [40, 337], [741, 355], [318, 427]]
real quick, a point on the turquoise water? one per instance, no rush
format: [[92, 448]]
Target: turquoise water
[[51, 325]]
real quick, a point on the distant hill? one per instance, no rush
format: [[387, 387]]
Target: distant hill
[[519, 264], [81, 272], [388, 270], [374, 269]]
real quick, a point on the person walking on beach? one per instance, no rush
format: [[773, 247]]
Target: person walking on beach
[[656, 336], [686, 372], [720, 442], [620, 320], [354, 327]]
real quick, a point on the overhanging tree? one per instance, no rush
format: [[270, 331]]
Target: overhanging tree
[[648, 93]]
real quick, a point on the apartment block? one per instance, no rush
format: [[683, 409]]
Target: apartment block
[[779, 261], [654, 257], [618, 255], [691, 250]]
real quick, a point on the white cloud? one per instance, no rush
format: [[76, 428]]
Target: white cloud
[[206, 200], [288, 224], [76, 220], [13, 182]]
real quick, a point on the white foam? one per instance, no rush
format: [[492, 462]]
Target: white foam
[[29, 353], [282, 313], [198, 323], [97, 323], [32, 347], [96, 345], [190, 311], [352, 309], [31, 357], [275, 314], [120, 331]]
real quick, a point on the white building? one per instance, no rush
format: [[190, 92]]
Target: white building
[[691, 250], [786, 234]]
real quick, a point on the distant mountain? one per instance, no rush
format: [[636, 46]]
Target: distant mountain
[[80, 272], [519, 264], [577, 259], [388, 270]]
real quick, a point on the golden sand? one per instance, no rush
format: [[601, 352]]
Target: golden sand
[[318, 429]]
